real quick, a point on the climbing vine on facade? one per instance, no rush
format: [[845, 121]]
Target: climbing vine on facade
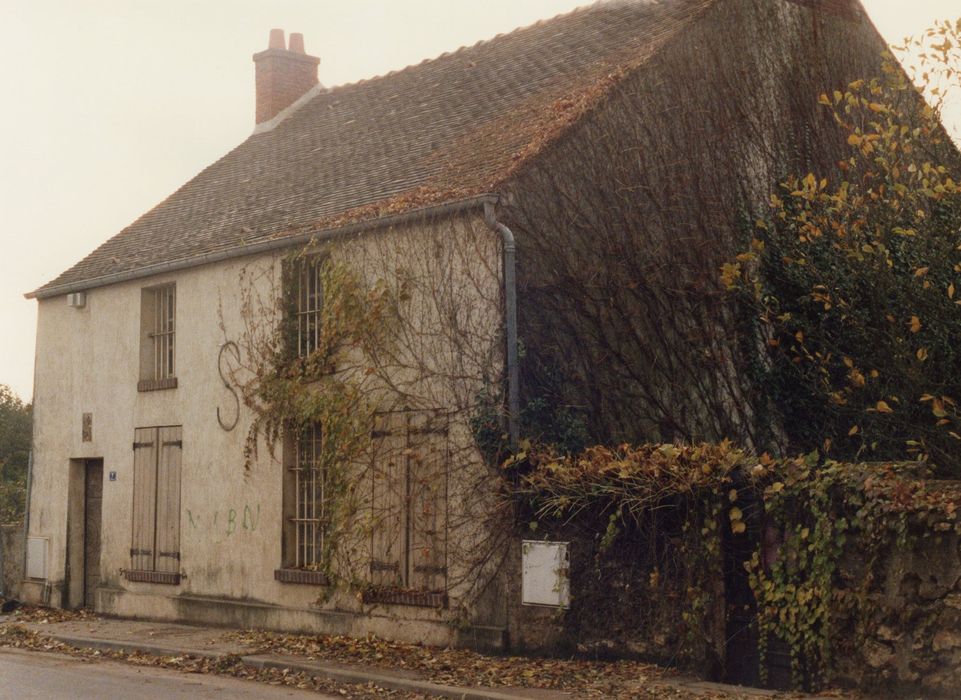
[[379, 346], [293, 387]]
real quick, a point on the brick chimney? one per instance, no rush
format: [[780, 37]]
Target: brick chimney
[[283, 74]]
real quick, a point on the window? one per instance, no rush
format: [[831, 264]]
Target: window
[[409, 509], [305, 479], [307, 301], [158, 317], [155, 547], [305, 510]]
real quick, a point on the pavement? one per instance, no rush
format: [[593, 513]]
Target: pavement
[[27, 675], [178, 640]]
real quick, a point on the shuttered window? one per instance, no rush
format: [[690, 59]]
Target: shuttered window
[[409, 502], [155, 547]]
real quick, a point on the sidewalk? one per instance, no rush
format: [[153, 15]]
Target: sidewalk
[[261, 650]]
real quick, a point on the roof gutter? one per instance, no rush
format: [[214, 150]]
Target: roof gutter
[[510, 320], [265, 246]]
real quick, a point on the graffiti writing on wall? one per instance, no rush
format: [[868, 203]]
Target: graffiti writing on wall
[[230, 347], [228, 520]]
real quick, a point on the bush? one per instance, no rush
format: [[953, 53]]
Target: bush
[[855, 281], [15, 436]]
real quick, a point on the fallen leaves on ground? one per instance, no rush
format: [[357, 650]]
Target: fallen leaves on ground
[[464, 668], [617, 680], [457, 666], [30, 613]]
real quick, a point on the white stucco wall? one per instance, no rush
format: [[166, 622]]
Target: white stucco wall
[[231, 519]]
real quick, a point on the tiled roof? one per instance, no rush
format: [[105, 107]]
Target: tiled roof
[[441, 130]]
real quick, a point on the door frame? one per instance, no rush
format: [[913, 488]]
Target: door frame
[[75, 570], [88, 466]]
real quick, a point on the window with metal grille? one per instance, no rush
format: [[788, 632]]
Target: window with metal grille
[[305, 503], [158, 321], [308, 300]]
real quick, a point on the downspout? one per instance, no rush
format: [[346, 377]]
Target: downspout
[[510, 321], [26, 515]]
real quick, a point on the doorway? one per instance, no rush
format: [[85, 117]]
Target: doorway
[[92, 520]]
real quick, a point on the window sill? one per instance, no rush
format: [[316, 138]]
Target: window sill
[[316, 578], [398, 596], [170, 578], [157, 384]]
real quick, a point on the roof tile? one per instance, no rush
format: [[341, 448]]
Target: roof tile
[[443, 129]]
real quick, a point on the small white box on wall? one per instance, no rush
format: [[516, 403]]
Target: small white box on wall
[[545, 573], [37, 557]]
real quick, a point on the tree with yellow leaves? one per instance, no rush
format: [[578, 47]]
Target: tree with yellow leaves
[[855, 275]]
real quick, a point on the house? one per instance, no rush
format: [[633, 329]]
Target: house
[[616, 150]]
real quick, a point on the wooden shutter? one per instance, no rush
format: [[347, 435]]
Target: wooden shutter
[[409, 544], [156, 499], [144, 499], [388, 496], [168, 500], [427, 488]]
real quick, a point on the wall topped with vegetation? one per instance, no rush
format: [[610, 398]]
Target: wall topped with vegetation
[[799, 571]]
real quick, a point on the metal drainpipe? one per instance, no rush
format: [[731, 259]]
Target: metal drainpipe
[[510, 320], [26, 514]]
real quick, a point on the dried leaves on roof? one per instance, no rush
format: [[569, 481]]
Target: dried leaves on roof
[[442, 130]]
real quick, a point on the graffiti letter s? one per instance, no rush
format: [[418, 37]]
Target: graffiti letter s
[[235, 351]]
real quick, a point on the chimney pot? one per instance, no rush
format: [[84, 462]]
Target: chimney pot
[[297, 43], [277, 39], [282, 76]]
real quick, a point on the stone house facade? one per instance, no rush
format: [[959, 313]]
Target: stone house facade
[[609, 142]]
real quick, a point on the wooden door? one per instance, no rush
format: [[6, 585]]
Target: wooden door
[[92, 520]]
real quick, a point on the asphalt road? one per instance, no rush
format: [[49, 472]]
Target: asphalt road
[[31, 675]]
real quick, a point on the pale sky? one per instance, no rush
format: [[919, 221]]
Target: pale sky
[[109, 105]]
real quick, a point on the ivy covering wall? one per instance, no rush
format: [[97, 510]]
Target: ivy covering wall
[[667, 534]]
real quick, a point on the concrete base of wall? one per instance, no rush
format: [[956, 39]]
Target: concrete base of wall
[[483, 638], [244, 614], [41, 592]]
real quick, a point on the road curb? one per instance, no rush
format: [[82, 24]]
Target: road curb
[[709, 687], [338, 674], [114, 645], [384, 681]]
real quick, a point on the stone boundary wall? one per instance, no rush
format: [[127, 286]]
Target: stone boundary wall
[[912, 643], [11, 549], [908, 645]]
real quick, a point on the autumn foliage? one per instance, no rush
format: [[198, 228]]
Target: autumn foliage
[[855, 277], [691, 523]]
